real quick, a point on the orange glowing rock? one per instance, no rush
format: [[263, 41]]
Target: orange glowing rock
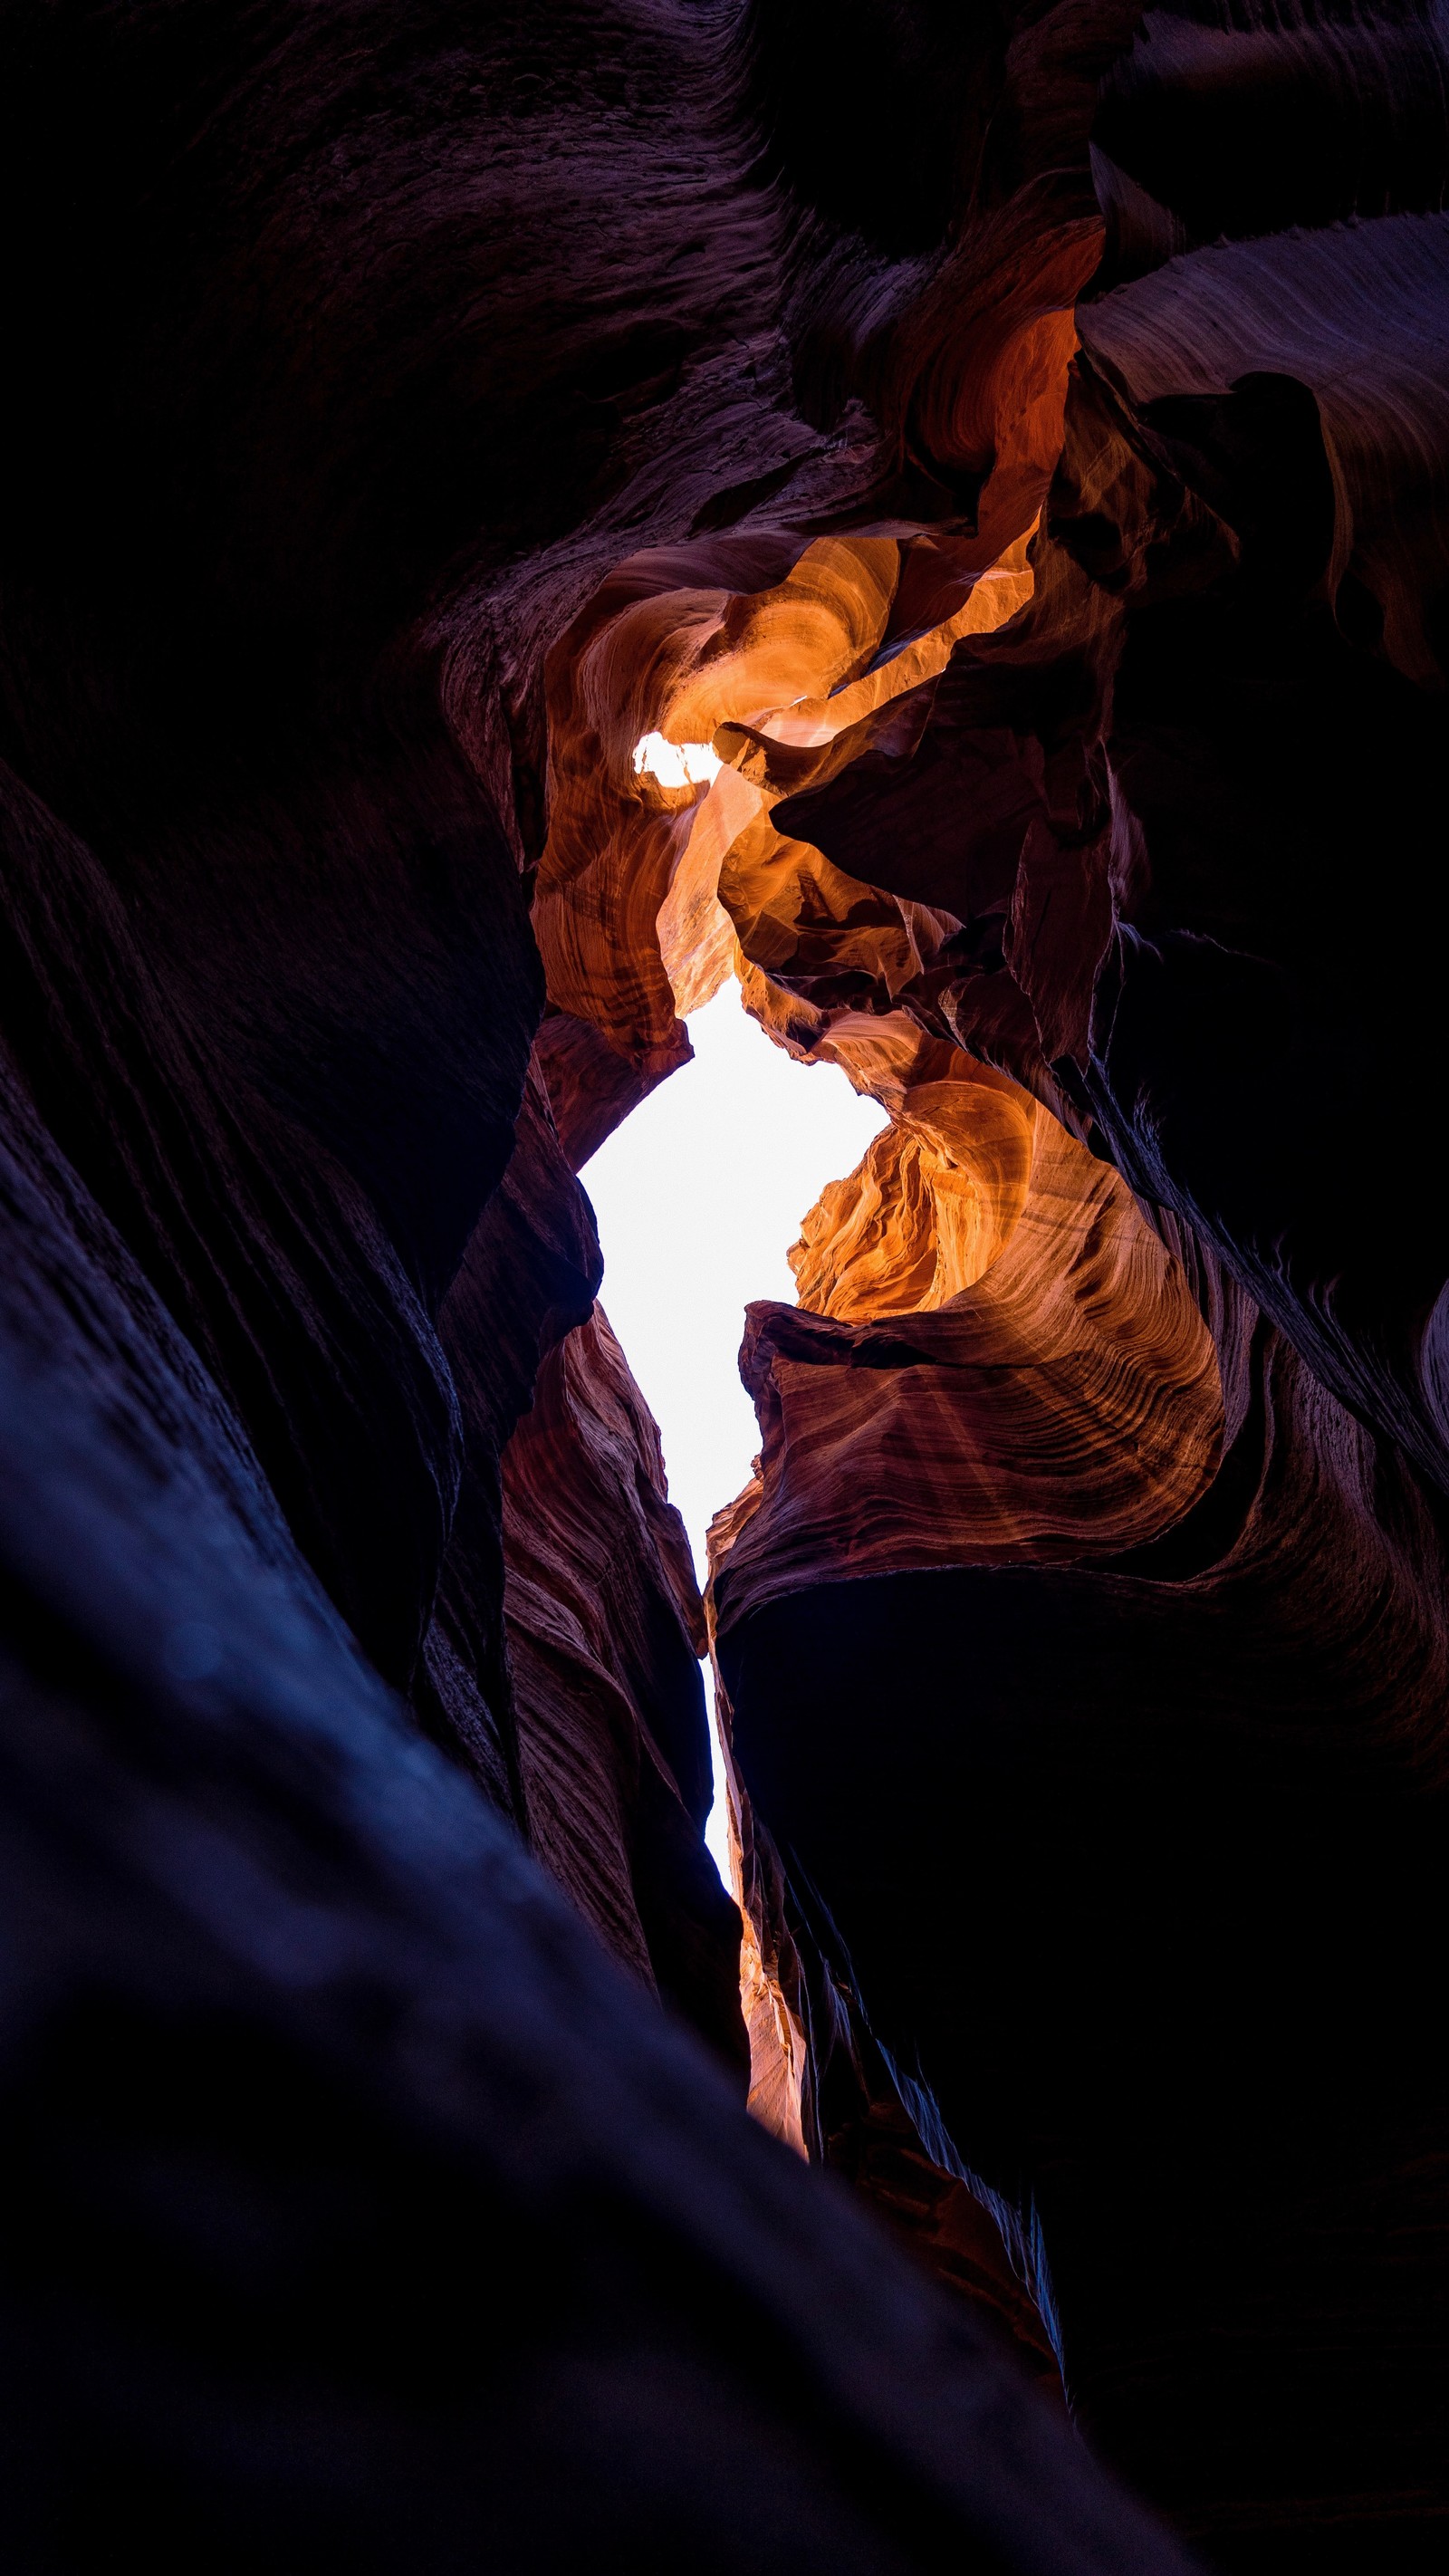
[[1063, 1401], [929, 1207], [630, 887], [994, 1357]]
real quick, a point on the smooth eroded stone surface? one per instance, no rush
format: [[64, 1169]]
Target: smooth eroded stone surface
[[605, 1631], [357, 2209], [1132, 1874], [1065, 1402], [1016, 445]]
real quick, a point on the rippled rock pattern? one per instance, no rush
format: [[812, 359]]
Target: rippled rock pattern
[[1018, 443]]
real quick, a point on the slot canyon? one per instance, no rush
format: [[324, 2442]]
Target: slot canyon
[[997, 453]]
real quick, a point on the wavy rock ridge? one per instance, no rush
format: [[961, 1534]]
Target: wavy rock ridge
[[1018, 444]]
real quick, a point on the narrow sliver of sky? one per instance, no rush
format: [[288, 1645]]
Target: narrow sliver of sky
[[699, 1196]]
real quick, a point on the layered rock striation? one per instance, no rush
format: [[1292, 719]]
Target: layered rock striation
[[1016, 444]]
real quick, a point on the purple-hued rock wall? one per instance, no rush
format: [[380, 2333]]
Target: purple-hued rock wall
[[1019, 440]]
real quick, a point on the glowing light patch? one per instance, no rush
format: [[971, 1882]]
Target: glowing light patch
[[676, 764], [698, 1196]]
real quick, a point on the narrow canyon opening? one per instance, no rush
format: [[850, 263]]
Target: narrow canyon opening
[[724, 1686], [681, 708], [699, 1196], [888, 1312]]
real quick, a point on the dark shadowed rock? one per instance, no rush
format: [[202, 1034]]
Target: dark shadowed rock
[[1017, 440]]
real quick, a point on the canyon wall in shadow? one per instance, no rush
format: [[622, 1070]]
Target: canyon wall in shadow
[[1018, 442]]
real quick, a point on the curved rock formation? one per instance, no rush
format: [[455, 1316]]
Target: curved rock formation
[[1064, 1403], [1097, 853], [1138, 1910], [1016, 442]]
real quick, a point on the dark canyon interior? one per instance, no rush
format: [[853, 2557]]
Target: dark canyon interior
[[1016, 439]]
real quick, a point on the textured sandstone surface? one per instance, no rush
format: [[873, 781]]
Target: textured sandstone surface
[[1017, 442]]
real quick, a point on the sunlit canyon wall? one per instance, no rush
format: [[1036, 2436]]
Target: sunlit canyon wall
[[1019, 445]]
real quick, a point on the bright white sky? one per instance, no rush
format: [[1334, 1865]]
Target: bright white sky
[[699, 1196]]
